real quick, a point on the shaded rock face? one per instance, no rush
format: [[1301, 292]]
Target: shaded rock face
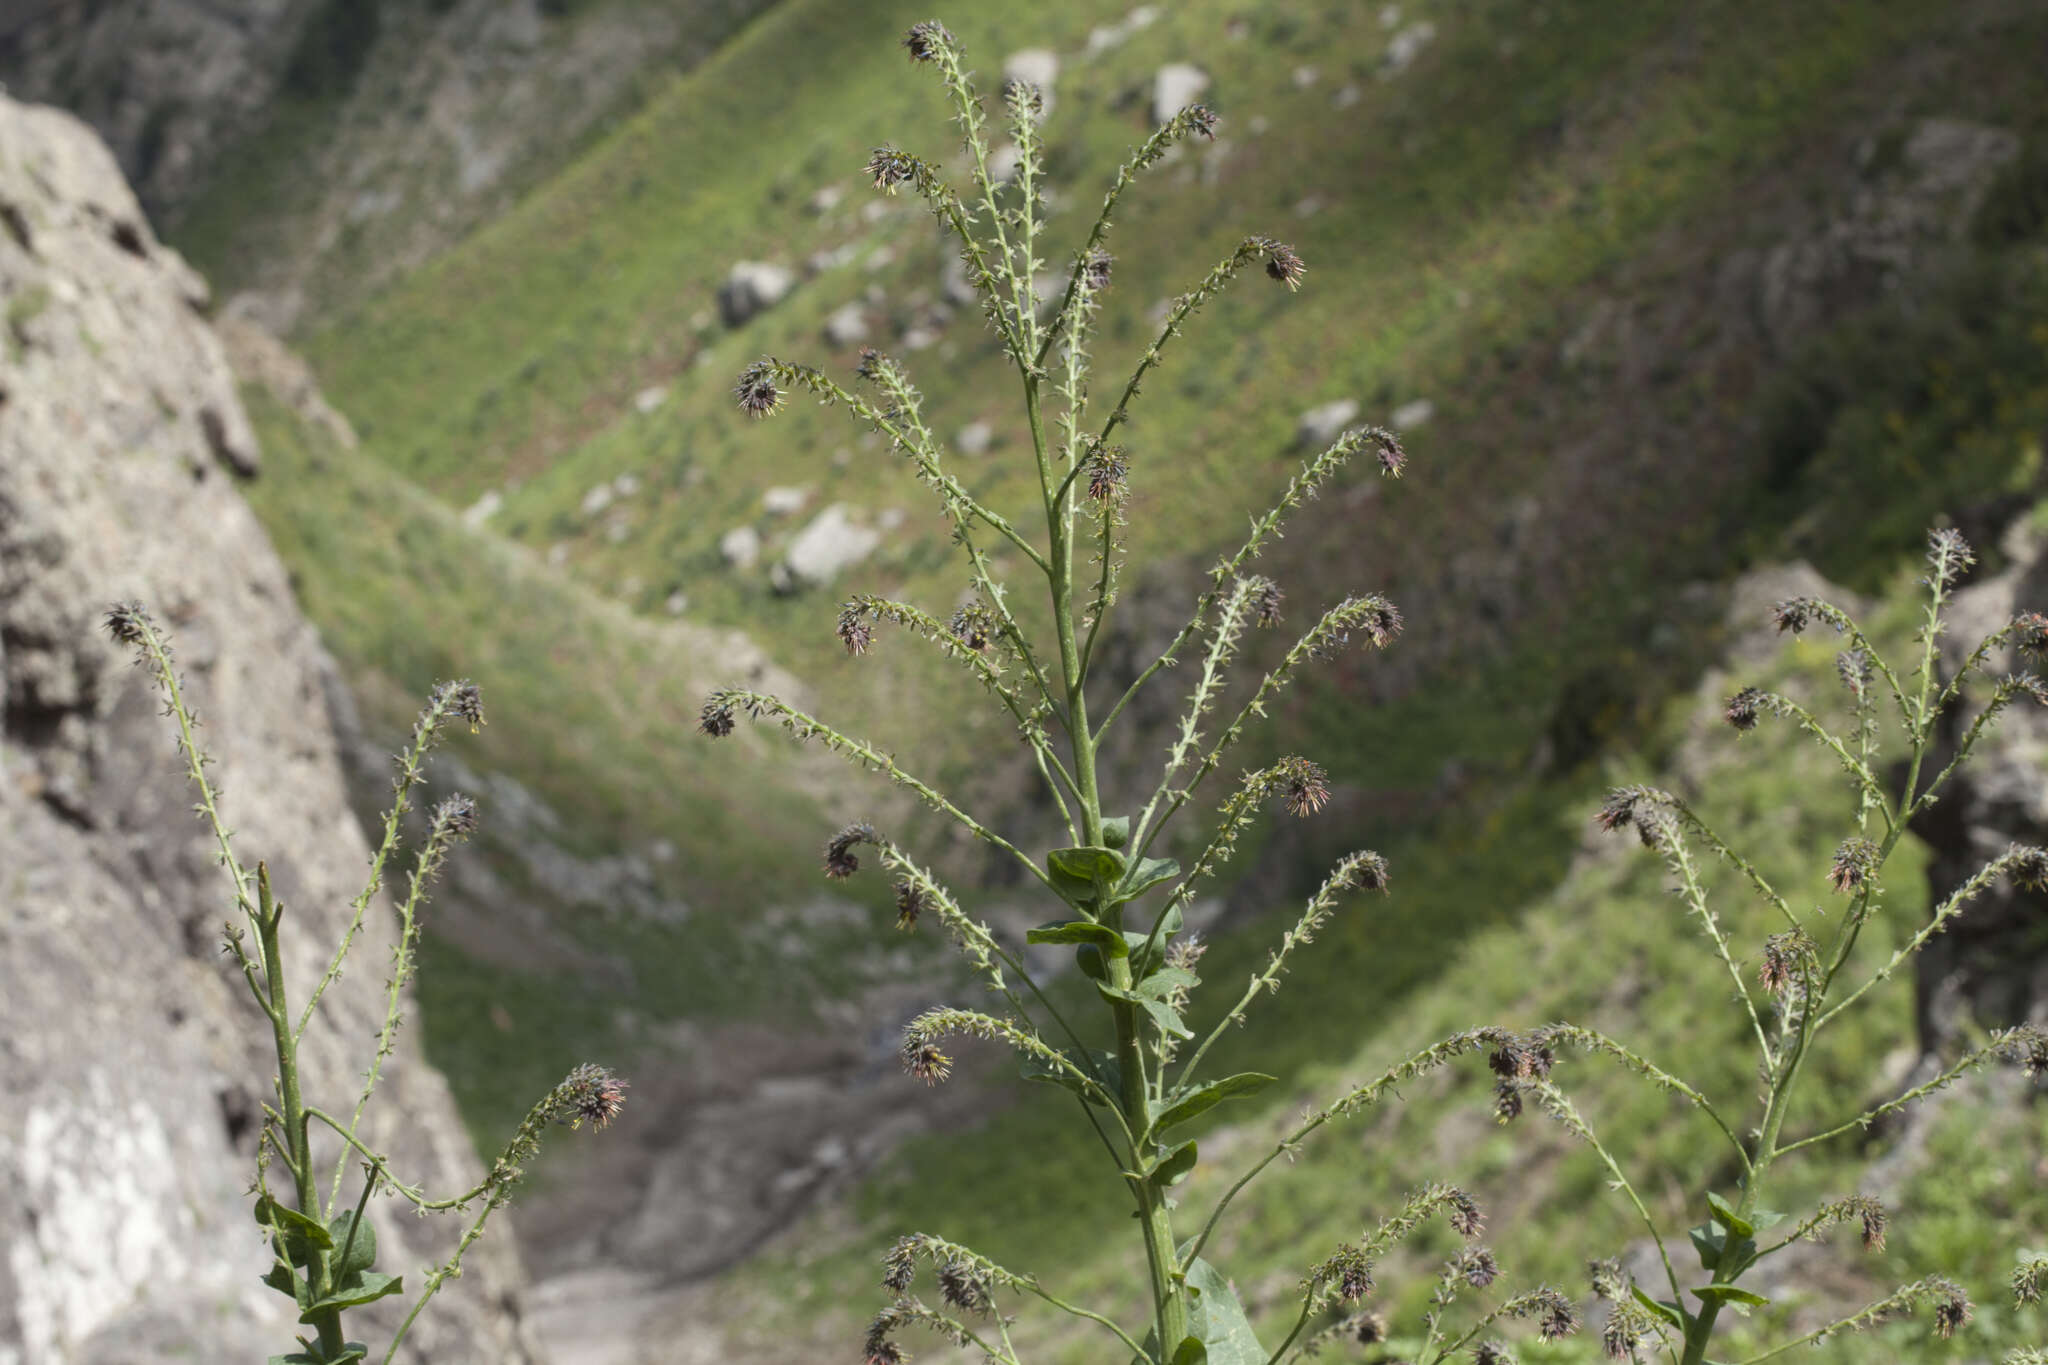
[[134, 1062], [1988, 968], [168, 83]]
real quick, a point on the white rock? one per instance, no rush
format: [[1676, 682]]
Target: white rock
[[676, 605], [874, 211], [558, 554], [975, 438], [846, 325], [880, 258], [1390, 16], [750, 287], [830, 258], [832, 542], [618, 531], [483, 509], [1305, 76], [1308, 206], [1003, 162], [784, 500], [919, 338], [740, 547], [953, 285], [626, 485], [1346, 97], [1322, 424], [597, 499], [1257, 125], [889, 518], [1174, 87], [827, 198], [1412, 414], [1037, 66], [650, 398], [1404, 47]]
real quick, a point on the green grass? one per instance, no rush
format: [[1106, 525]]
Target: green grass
[[1502, 918]]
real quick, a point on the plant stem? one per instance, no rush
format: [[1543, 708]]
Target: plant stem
[[299, 1143]]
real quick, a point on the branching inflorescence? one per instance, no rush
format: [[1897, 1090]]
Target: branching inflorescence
[[1806, 974], [323, 1248], [1145, 1090]]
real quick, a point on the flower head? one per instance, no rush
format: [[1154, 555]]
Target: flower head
[[1952, 1309], [1267, 599], [127, 622], [1853, 863], [965, 1286], [756, 391], [590, 1093], [1095, 270], [1283, 263], [1303, 786], [839, 856], [1107, 468], [911, 901], [924, 1061], [1478, 1267], [1743, 709], [926, 41], [716, 719], [854, 629]]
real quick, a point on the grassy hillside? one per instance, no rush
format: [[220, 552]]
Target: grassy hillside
[[1559, 225]]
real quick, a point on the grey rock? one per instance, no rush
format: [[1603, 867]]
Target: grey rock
[[750, 287], [650, 398], [133, 1059], [740, 547], [1174, 87], [1323, 423], [846, 325], [833, 541], [1411, 414], [1406, 45], [975, 438], [784, 499]]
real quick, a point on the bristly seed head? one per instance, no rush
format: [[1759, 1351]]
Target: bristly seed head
[[1743, 709], [1369, 1329], [839, 856], [910, 903], [891, 169], [126, 622], [1283, 263], [965, 1287], [1478, 1267], [899, 1264], [1465, 1217], [716, 719], [1794, 614], [2027, 866], [455, 818], [756, 391], [1267, 599], [1559, 1318], [1393, 459], [2029, 1278], [1853, 863], [1096, 269], [1493, 1353], [1853, 667], [590, 1093], [1368, 872], [1348, 1271], [1948, 555], [854, 629], [924, 1061], [1199, 119], [1303, 786], [1953, 1310], [974, 626], [1609, 1281], [928, 40], [1786, 958], [2030, 633], [1507, 1101], [1108, 466]]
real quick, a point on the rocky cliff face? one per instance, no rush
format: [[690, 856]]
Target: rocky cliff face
[[134, 1063]]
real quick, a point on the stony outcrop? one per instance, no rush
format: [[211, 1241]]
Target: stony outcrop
[[134, 1062]]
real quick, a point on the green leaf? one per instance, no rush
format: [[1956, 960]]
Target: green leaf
[[1728, 1293], [362, 1251], [1173, 1168], [1729, 1218], [1217, 1318], [1191, 1351], [1708, 1240], [1663, 1308], [1766, 1219], [1145, 876], [1116, 832], [1203, 1099], [354, 1291], [286, 1283], [1093, 867], [1080, 931], [1166, 980], [302, 1235], [350, 1350], [1163, 1014]]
